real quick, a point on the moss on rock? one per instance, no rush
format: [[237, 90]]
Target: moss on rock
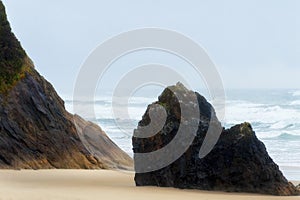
[[13, 60]]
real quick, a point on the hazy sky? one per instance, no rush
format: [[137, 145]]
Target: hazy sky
[[254, 44]]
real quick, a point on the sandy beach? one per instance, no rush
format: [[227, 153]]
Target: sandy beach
[[97, 184]]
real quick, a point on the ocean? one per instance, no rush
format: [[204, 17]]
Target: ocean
[[274, 115]]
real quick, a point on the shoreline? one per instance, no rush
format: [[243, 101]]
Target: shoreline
[[93, 184]]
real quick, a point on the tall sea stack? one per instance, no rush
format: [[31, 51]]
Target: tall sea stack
[[36, 132], [239, 162]]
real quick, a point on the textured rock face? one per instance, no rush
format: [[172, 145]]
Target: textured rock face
[[238, 162], [35, 129], [11, 54], [101, 147]]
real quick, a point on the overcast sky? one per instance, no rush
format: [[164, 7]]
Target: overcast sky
[[254, 44]]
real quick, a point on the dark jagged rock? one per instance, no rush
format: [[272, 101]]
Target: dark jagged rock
[[35, 129], [238, 162]]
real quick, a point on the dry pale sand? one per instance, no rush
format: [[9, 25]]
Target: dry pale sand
[[97, 184]]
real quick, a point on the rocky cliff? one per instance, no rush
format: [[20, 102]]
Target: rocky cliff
[[239, 162], [35, 129]]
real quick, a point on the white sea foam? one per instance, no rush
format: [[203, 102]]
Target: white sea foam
[[276, 117], [262, 116], [295, 103], [276, 124], [296, 93]]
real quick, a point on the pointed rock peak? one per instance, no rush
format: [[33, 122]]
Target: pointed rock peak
[[246, 128], [177, 91], [180, 85], [14, 62]]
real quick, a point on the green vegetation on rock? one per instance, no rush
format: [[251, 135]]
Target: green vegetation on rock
[[13, 60], [246, 129]]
